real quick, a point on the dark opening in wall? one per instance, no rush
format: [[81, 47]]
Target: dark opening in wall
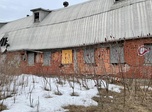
[[118, 1], [4, 41], [36, 17]]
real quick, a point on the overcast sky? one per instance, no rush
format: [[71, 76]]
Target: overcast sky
[[15, 9]]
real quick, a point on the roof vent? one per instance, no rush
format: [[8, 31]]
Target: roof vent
[[65, 4]]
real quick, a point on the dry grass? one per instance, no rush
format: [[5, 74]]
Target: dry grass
[[137, 100], [5, 89], [73, 108], [134, 103], [2, 107]]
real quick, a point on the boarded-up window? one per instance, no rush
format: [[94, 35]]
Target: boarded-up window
[[46, 58], [30, 59], [148, 55], [66, 56], [89, 55], [117, 54]]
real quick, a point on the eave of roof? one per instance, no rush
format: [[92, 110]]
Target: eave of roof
[[36, 9]]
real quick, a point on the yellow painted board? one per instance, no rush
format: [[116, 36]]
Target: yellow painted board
[[66, 56]]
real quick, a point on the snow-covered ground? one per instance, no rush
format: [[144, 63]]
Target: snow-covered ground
[[29, 93]]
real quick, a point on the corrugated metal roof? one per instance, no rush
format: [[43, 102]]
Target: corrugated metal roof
[[1, 36], [87, 23]]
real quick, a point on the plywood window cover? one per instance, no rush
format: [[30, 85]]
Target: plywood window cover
[[67, 56]]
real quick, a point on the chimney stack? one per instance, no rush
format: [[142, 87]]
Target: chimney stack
[[65, 4]]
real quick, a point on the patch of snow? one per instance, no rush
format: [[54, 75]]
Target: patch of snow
[[33, 93], [115, 88], [146, 87], [110, 96]]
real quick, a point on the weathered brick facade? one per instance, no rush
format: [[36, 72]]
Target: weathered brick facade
[[134, 66], [136, 62]]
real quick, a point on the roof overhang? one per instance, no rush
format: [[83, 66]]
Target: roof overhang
[[40, 9]]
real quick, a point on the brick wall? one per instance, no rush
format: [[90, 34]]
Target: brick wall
[[13, 62], [10, 63], [136, 62]]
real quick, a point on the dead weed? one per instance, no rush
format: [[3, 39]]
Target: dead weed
[[114, 102]]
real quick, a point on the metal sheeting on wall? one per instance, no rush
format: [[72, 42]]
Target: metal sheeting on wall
[[83, 24], [46, 58], [148, 56], [30, 59], [117, 54], [89, 55]]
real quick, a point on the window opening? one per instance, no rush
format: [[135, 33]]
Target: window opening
[[4, 41], [36, 17], [66, 56], [89, 55], [30, 59], [148, 55], [46, 58], [117, 54]]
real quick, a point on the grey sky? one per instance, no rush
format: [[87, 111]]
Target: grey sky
[[15, 9]]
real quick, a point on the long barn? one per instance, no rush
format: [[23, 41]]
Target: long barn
[[102, 37]]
